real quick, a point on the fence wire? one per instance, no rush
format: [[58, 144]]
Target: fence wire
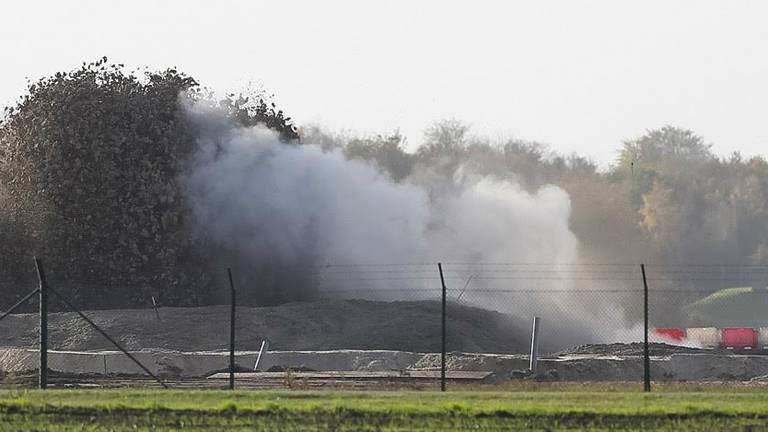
[[491, 305], [594, 309]]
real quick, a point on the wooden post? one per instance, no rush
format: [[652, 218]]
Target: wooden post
[[443, 347], [231, 331], [646, 355], [43, 288]]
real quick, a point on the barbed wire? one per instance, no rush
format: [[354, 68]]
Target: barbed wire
[[519, 264], [491, 272], [528, 290]]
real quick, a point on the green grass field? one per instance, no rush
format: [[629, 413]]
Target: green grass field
[[569, 408]]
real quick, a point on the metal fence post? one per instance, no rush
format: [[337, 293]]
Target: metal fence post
[[646, 355], [533, 360], [20, 303], [43, 288], [442, 351], [231, 331], [262, 353]]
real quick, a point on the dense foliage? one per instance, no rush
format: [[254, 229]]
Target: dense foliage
[[89, 179]]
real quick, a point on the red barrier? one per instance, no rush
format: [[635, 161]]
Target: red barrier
[[739, 338], [674, 334]]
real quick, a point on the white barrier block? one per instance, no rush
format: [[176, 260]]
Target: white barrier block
[[707, 337]]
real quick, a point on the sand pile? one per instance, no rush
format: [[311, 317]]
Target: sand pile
[[323, 325]]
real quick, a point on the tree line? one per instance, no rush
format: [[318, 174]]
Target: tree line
[[90, 162]]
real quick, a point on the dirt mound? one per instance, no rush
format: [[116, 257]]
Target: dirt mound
[[323, 325], [630, 349]]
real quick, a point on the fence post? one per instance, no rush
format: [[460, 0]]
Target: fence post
[[646, 356], [154, 306], [231, 331], [262, 353], [43, 288], [20, 303], [533, 360], [442, 350]]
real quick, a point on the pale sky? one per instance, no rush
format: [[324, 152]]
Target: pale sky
[[580, 76]]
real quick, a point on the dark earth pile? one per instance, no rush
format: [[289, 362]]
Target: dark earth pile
[[323, 325], [631, 349]]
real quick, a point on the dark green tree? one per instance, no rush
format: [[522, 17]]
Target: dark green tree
[[386, 151], [90, 164]]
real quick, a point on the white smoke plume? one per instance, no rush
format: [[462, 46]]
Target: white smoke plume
[[267, 198], [281, 204]]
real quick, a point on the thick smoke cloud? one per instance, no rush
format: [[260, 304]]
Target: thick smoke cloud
[[300, 204], [281, 211]]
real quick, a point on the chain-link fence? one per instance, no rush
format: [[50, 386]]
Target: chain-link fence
[[408, 322], [20, 334], [491, 305]]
